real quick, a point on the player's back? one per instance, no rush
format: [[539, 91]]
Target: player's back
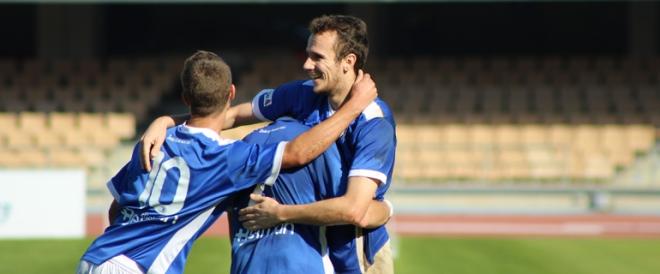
[[165, 210], [286, 248]]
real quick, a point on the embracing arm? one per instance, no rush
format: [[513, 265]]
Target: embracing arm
[[298, 152], [154, 137], [309, 145], [240, 115], [356, 207]]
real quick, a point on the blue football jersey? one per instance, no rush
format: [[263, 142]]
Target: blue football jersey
[[367, 149], [285, 248], [165, 210]]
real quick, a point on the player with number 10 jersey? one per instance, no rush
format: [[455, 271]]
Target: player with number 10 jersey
[[165, 210]]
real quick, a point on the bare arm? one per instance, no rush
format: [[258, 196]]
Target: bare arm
[[154, 137], [356, 207], [240, 115], [378, 213], [309, 145]]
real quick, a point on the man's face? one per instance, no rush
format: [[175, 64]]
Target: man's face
[[321, 64]]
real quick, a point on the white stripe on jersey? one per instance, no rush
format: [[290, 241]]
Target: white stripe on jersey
[[256, 110], [113, 191], [369, 174], [277, 164], [177, 242], [373, 110], [327, 264], [209, 133], [359, 250]]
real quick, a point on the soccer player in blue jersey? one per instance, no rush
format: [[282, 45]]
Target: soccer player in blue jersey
[[337, 49], [158, 214], [290, 248]]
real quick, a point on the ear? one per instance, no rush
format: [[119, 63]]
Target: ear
[[232, 92], [349, 62]]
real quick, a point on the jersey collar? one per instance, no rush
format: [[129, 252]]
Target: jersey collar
[[204, 131]]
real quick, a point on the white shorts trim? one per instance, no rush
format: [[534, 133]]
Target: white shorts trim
[[116, 265]]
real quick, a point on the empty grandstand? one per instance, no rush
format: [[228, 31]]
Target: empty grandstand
[[482, 101]]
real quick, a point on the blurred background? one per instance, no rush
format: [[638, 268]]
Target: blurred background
[[517, 120]]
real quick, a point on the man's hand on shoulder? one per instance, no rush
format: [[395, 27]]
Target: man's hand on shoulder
[[363, 91], [152, 139]]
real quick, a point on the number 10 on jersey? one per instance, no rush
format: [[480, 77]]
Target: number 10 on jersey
[[150, 196]]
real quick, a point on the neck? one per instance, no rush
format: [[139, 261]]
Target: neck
[[338, 96], [213, 121]]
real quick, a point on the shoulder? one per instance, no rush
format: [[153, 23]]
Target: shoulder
[[185, 135], [294, 91], [377, 109], [283, 129], [376, 121], [299, 85]]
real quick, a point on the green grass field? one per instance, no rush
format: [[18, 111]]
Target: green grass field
[[415, 255]]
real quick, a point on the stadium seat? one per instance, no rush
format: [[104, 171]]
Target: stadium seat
[[32, 122], [92, 156], [587, 138], [7, 157], [65, 157], [91, 122], [75, 138], [47, 138], [507, 135], [31, 157], [8, 121], [640, 137], [60, 122], [121, 124], [480, 135], [531, 134]]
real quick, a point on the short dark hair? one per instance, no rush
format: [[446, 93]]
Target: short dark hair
[[206, 81], [351, 36]]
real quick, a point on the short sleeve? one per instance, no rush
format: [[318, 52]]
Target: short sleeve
[[114, 185], [270, 104], [119, 183], [250, 164], [375, 147]]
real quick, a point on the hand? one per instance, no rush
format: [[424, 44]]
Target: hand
[[261, 215], [363, 91], [152, 140]]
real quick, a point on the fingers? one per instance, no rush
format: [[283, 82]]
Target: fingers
[[257, 198], [155, 148], [247, 217], [248, 224], [359, 76], [145, 160], [253, 225], [247, 211], [367, 79]]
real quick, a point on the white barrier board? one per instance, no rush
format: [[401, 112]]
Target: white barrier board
[[42, 203]]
